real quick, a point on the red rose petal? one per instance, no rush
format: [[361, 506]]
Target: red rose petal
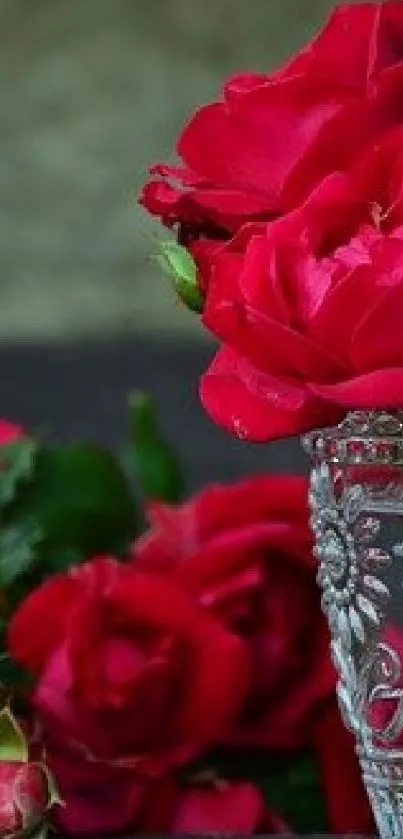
[[258, 143], [377, 342], [39, 623], [259, 407], [377, 389], [232, 809]]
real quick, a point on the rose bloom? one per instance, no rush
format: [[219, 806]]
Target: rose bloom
[[10, 432], [308, 307], [24, 796], [260, 149], [134, 678], [244, 551]]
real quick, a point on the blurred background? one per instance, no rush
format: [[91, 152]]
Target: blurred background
[[91, 92]]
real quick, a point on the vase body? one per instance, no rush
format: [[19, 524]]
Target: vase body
[[356, 500]]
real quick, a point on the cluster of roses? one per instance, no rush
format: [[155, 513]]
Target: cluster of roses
[[210, 633], [290, 201]]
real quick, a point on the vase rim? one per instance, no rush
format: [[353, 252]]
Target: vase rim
[[362, 437]]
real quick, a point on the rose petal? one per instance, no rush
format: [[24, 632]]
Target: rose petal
[[377, 342], [377, 389], [39, 623], [257, 143], [386, 44], [256, 406], [232, 809], [347, 804], [99, 799]]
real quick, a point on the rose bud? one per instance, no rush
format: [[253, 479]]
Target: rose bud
[[27, 791], [180, 266]]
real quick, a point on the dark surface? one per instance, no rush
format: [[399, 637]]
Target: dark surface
[[80, 390]]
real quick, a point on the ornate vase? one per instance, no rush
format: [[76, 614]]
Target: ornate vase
[[356, 500]]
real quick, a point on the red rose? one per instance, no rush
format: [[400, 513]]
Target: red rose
[[27, 790], [24, 796], [308, 306], [271, 138], [101, 802], [132, 673], [9, 432], [244, 551]]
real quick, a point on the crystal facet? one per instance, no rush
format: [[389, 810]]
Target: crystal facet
[[356, 502]]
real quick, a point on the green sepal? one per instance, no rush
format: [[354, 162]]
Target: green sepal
[[178, 264], [13, 743], [55, 798]]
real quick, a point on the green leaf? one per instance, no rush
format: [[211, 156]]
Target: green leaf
[[13, 745], [81, 502], [177, 262], [17, 550], [17, 460], [156, 465]]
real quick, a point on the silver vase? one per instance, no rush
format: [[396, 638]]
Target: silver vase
[[356, 500]]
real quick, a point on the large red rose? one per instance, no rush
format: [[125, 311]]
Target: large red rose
[[271, 138], [131, 672], [308, 307], [244, 551]]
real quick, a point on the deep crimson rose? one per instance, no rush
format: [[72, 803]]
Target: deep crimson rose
[[308, 307], [258, 151], [131, 671], [244, 551]]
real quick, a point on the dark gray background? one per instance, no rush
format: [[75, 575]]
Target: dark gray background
[[79, 389]]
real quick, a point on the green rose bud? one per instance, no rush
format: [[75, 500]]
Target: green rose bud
[[177, 262]]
